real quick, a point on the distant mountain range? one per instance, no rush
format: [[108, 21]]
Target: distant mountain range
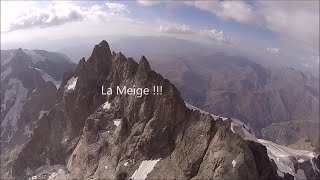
[[279, 104], [56, 124], [29, 82]]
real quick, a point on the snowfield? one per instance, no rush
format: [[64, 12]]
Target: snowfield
[[72, 83], [117, 122], [41, 113], [144, 169]]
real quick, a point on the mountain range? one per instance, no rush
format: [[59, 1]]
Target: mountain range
[[279, 104], [57, 124]]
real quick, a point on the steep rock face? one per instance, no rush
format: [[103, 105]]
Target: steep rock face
[[125, 136]]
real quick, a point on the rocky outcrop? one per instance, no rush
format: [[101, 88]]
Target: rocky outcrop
[[125, 136]]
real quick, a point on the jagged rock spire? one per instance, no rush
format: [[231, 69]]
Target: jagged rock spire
[[101, 50], [100, 59], [81, 66], [144, 65]]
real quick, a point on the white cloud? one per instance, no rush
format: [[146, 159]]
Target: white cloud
[[175, 28], [296, 23], [184, 29], [216, 35], [148, 2], [273, 51], [58, 13], [54, 14], [238, 11], [117, 7]]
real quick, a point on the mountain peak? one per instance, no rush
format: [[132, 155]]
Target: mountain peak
[[104, 43], [102, 49], [100, 59], [19, 52], [144, 64]]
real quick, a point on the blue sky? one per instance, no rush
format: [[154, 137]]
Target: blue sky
[[273, 27]]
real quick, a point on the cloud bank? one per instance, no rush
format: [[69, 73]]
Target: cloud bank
[[296, 22], [58, 13]]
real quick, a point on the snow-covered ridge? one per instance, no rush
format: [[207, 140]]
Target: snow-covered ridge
[[237, 126], [281, 155], [47, 77]]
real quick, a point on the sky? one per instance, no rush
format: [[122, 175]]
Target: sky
[[275, 28]]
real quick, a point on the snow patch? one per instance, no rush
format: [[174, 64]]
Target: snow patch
[[129, 162], [27, 131], [60, 175], [106, 105], [117, 122], [191, 107], [280, 173], [144, 169], [41, 113], [72, 83], [234, 163], [243, 130]]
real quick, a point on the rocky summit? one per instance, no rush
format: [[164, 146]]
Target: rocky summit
[[87, 135]]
